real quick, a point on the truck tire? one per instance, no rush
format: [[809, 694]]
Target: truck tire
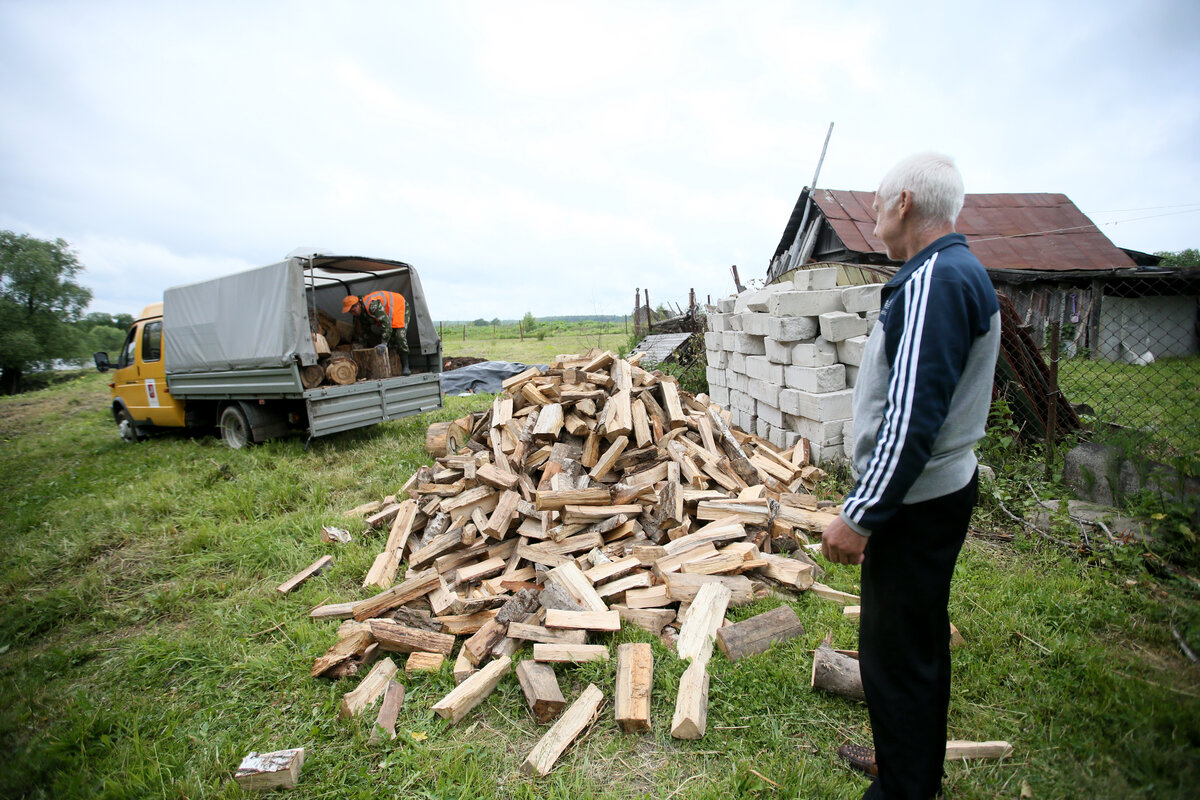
[[235, 428], [127, 428]]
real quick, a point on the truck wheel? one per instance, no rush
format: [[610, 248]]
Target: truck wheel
[[126, 427], [235, 428]]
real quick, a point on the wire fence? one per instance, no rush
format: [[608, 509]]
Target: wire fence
[[1126, 353]]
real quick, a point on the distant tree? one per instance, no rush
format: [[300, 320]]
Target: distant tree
[[495, 321], [480, 323], [105, 339], [528, 322], [39, 301], [98, 318], [1182, 259]]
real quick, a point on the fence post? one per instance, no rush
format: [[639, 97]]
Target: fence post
[[1052, 396]]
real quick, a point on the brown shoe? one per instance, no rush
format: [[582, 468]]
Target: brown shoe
[[860, 758]]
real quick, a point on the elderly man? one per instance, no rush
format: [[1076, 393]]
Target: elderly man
[[386, 318], [920, 404]]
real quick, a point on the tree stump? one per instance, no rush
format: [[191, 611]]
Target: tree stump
[[372, 364], [444, 438], [836, 673], [312, 376]]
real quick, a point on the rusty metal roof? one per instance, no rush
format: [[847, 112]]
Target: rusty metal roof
[[1005, 231]]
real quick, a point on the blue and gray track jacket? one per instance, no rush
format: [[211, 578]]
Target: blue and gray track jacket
[[925, 384]]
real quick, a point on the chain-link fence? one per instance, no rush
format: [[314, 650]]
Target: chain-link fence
[[1128, 355]]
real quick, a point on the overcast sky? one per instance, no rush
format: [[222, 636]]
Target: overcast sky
[[553, 157]]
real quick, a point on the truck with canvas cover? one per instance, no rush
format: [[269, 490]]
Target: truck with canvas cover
[[268, 351]]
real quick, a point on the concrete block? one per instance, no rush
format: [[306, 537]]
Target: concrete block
[[725, 304], [761, 368], [771, 414], [848, 431], [755, 322], [762, 428], [851, 376], [817, 353], [862, 298], [871, 317], [793, 329], [764, 391], [752, 301], [728, 340], [713, 340], [736, 380], [822, 278], [716, 377], [801, 281], [733, 322], [779, 352], [805, 304], [747, 343], [831, 432], [850, 351], [816, 379], [816, 405], [719, 395], [717, 358], [839, 325], [786, 438], [718, 322], [739, 399], [736, 362]]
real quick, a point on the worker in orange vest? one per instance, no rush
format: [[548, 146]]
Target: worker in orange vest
[[384, 315]]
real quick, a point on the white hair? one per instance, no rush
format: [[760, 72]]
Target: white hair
[[935, 183]]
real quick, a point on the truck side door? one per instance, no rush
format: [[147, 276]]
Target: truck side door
[[140, 377]]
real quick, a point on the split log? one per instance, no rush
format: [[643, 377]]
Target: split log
[[700, 623], [546, 752], [389, 710], [315, 568], [423, 662], [569, 653], [757, 634], [353, 645], [446, 438], [583, 620], [841, 598], [540, 686], [369, 690], [648, 619], [684, 588], [372, 364], [280, 769], [635, 678], [691, 704], [958, 749], [837, 674], [396, 638], [536, 633], [415, 586], [473, 691], [463, 668]]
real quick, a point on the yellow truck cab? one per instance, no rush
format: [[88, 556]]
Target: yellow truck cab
[[239, 353], [139, 384]]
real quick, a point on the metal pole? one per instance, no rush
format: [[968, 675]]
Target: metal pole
[[1052, 411]]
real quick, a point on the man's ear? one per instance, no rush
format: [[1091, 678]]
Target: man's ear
[[904, 203]]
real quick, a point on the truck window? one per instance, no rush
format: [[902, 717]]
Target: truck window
[[127, 349], [152, 341]]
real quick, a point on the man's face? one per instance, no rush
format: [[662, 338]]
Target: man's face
[[889, 227]]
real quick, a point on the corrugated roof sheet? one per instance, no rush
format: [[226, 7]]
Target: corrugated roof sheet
[[1005, 231]]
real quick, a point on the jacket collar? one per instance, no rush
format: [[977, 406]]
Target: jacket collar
[[910, 266]]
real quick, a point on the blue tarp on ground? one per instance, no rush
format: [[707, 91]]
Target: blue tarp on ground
[[485, 376]]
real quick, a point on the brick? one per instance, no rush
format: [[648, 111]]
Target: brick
[[756, 322], [779, 352], [816, 405], [746, 343], [822, 278], [862, 298], [713, 340], [761, 368], [816, 379], [839, 325], [765, 391], [805, 304], [817, 353], [736, 362], [850, 351], [793, 329]]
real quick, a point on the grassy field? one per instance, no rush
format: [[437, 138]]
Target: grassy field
[[532, 350], [144, 650]]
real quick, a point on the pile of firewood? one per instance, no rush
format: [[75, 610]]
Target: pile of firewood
[[590, 496], [341, 361]]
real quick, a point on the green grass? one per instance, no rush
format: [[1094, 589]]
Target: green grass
[[531, 350], [144, 650]]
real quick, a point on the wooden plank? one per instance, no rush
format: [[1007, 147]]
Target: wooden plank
[[540, 686], [368, 690], [333, 611], [570, 725], [700, 623], [423, 662], [472, 691], [280, 769], [397, 638], [959, 749], [569, 653], [756, 634], [843, 598], [415, 586], [583, 620], [635, 678], [315, 568], [690, 719], [389, 710]]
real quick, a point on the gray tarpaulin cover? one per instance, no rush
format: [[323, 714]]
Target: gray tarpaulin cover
[[252, 320], [485, 376]]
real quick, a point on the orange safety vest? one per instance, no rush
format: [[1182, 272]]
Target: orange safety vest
[[393, 304]]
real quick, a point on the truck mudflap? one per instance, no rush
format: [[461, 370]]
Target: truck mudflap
[[332, 409]]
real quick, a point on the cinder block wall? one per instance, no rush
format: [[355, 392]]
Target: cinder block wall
[[784, 358]]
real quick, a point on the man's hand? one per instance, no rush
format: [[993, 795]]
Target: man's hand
[[841, 545]]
